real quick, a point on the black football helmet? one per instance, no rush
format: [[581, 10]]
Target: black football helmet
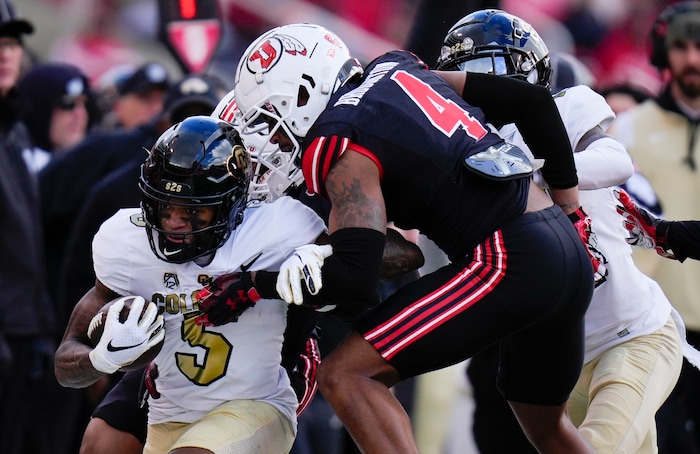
[[200, 161], [491, 41]]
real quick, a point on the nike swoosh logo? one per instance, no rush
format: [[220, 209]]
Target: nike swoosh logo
[[169, 253], [112, 348]]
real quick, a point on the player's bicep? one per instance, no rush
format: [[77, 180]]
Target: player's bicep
[[353, 186], [89, 305]]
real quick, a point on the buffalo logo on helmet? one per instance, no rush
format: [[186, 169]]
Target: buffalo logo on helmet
[[270, 51], [238, 163]]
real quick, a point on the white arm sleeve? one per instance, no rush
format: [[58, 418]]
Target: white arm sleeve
[[603, 163]]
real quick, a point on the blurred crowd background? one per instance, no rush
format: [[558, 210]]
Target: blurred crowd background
[[609, 36]]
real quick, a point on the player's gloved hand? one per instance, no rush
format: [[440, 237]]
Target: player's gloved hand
[[646, 230], [123, 343], [584, 227], [147, 386], [226, 298], [302, 374], [304, 265], [149, 379]]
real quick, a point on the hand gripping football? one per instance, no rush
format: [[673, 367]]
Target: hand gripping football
[[97, 325]]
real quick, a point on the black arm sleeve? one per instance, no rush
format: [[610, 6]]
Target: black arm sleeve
[[683, 238], [532, 109], [301, 324], [350, 275]]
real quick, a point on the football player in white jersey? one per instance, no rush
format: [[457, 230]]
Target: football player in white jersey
[[634, 339], [221, 387]]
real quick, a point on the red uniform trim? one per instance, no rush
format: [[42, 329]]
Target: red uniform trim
[[477, 280], [322, 153]]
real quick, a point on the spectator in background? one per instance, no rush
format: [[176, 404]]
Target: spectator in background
[[27, 318], [620, 55], [623, 96], [65, 90], [139, 96], [98, 44], [661, 135]]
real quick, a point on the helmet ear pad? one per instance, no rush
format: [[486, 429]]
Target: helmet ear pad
[[198, 162]]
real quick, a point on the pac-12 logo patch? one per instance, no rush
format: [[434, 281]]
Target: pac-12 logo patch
[[170, 281], [270, 50]]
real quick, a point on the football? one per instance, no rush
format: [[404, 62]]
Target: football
[[96, 328]]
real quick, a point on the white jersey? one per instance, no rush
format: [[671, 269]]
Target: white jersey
[[628, 304], [202, 367]]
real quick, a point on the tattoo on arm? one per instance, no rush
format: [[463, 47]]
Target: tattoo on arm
[[355, 194]]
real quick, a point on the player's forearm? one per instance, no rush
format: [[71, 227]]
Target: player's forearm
[[603, 163], [505, 100], [400, 256], [350, 275], [683, 239], [73, 367], [567, 199]]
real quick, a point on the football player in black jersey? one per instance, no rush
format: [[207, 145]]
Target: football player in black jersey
[[397, 142]]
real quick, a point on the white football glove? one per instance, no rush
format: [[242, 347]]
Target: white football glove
[[123, 343], [305, 265]]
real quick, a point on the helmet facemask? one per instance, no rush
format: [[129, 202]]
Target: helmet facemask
[[274, 173], [500, 61], [199, 242], [276, 166]]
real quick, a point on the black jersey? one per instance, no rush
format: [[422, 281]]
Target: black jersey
[[418, 131]]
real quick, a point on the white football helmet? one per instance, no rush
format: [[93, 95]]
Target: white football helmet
[[274, 172], [286, 77]]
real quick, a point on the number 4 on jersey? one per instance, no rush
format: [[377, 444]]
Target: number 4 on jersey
[[443, 113]]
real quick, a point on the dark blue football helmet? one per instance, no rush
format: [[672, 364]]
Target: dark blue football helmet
[[491, 41]]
